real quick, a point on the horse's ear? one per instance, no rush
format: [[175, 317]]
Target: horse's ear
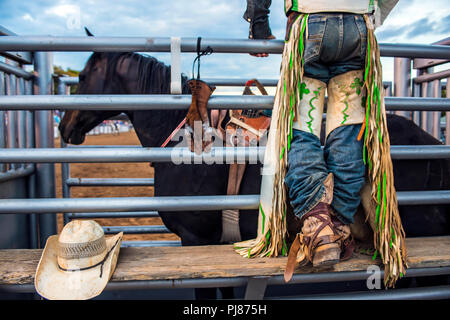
[[89, 34]]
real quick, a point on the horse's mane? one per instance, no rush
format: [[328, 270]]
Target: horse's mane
[[153, 75]]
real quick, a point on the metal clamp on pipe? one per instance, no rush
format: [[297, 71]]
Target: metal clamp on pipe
[[175, 65]]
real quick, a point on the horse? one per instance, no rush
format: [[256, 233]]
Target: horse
[[132, 73]]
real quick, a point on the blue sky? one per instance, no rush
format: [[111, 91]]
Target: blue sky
[[411, 21]]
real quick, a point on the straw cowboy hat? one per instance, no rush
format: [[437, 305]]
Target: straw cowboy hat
[[77, 264]]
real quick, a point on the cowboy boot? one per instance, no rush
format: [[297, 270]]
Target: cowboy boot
[[198, 111], [318, 241], [319, 231], [346, 240]]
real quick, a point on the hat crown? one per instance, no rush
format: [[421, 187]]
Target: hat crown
[[81, 231]]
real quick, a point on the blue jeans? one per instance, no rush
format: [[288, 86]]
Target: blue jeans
[[336, 44]]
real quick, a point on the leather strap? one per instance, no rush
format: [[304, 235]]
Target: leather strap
[[309, 244], [292, 257]]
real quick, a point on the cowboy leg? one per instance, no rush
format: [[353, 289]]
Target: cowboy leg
[[310, 186], [343, 152], [322, 235], [306, 166]]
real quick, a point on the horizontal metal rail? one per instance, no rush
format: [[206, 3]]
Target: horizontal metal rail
[[180, 203], [132, 214], [21, 57], [109, 182], [319, 277], [422, 293], [160, 44], [15, 71], [177, 203], [230, 82], [136, 229], [216, 155], [433, 76], [181, 102], [152, 243], [135, 154], [16, 173]]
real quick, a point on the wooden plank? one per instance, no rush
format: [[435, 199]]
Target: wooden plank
[[17, 266]]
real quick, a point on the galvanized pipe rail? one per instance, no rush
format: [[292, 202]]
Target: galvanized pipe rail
[[110, 182], [226, 82], [180, 203], [19, 72], [137, 154], [136, 229], [321, 277], [181, 102], [162, 44], [129, 214], [229, 82], [182, 155]]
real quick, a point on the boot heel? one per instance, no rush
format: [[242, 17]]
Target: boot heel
[[327, 254]]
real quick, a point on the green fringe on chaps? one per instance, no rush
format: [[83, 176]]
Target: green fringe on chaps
[[389, 235], [273, 201]]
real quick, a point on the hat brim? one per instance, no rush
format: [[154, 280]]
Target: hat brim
[[55, 284]]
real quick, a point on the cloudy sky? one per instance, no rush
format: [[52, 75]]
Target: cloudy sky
[[411, 21]]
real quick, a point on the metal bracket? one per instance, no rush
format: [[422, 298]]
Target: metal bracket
[[175, 68], [256, 287]]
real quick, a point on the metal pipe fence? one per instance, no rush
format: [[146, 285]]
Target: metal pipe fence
[[182, 155], [181, 102], [37, 107], [161, 44], [180, 203], [112, 182]]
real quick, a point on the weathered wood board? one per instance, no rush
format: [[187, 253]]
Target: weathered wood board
[[17, 266]]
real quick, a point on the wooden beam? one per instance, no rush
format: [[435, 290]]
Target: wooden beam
[[18, 266]]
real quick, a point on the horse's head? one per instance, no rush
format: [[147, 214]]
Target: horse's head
[[93, 79]]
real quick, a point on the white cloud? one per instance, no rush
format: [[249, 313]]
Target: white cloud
[[27, 17], [205, 18], [63, 10]]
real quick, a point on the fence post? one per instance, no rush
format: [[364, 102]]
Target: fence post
[[402, 82], [436, 115], [45, 172], [62, 89], [2, 121], [447, 115], [417, 93]]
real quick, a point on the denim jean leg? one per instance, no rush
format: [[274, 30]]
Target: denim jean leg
[[344, 157], [306, 172]]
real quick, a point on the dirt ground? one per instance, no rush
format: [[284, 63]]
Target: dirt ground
[[113, 170]]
